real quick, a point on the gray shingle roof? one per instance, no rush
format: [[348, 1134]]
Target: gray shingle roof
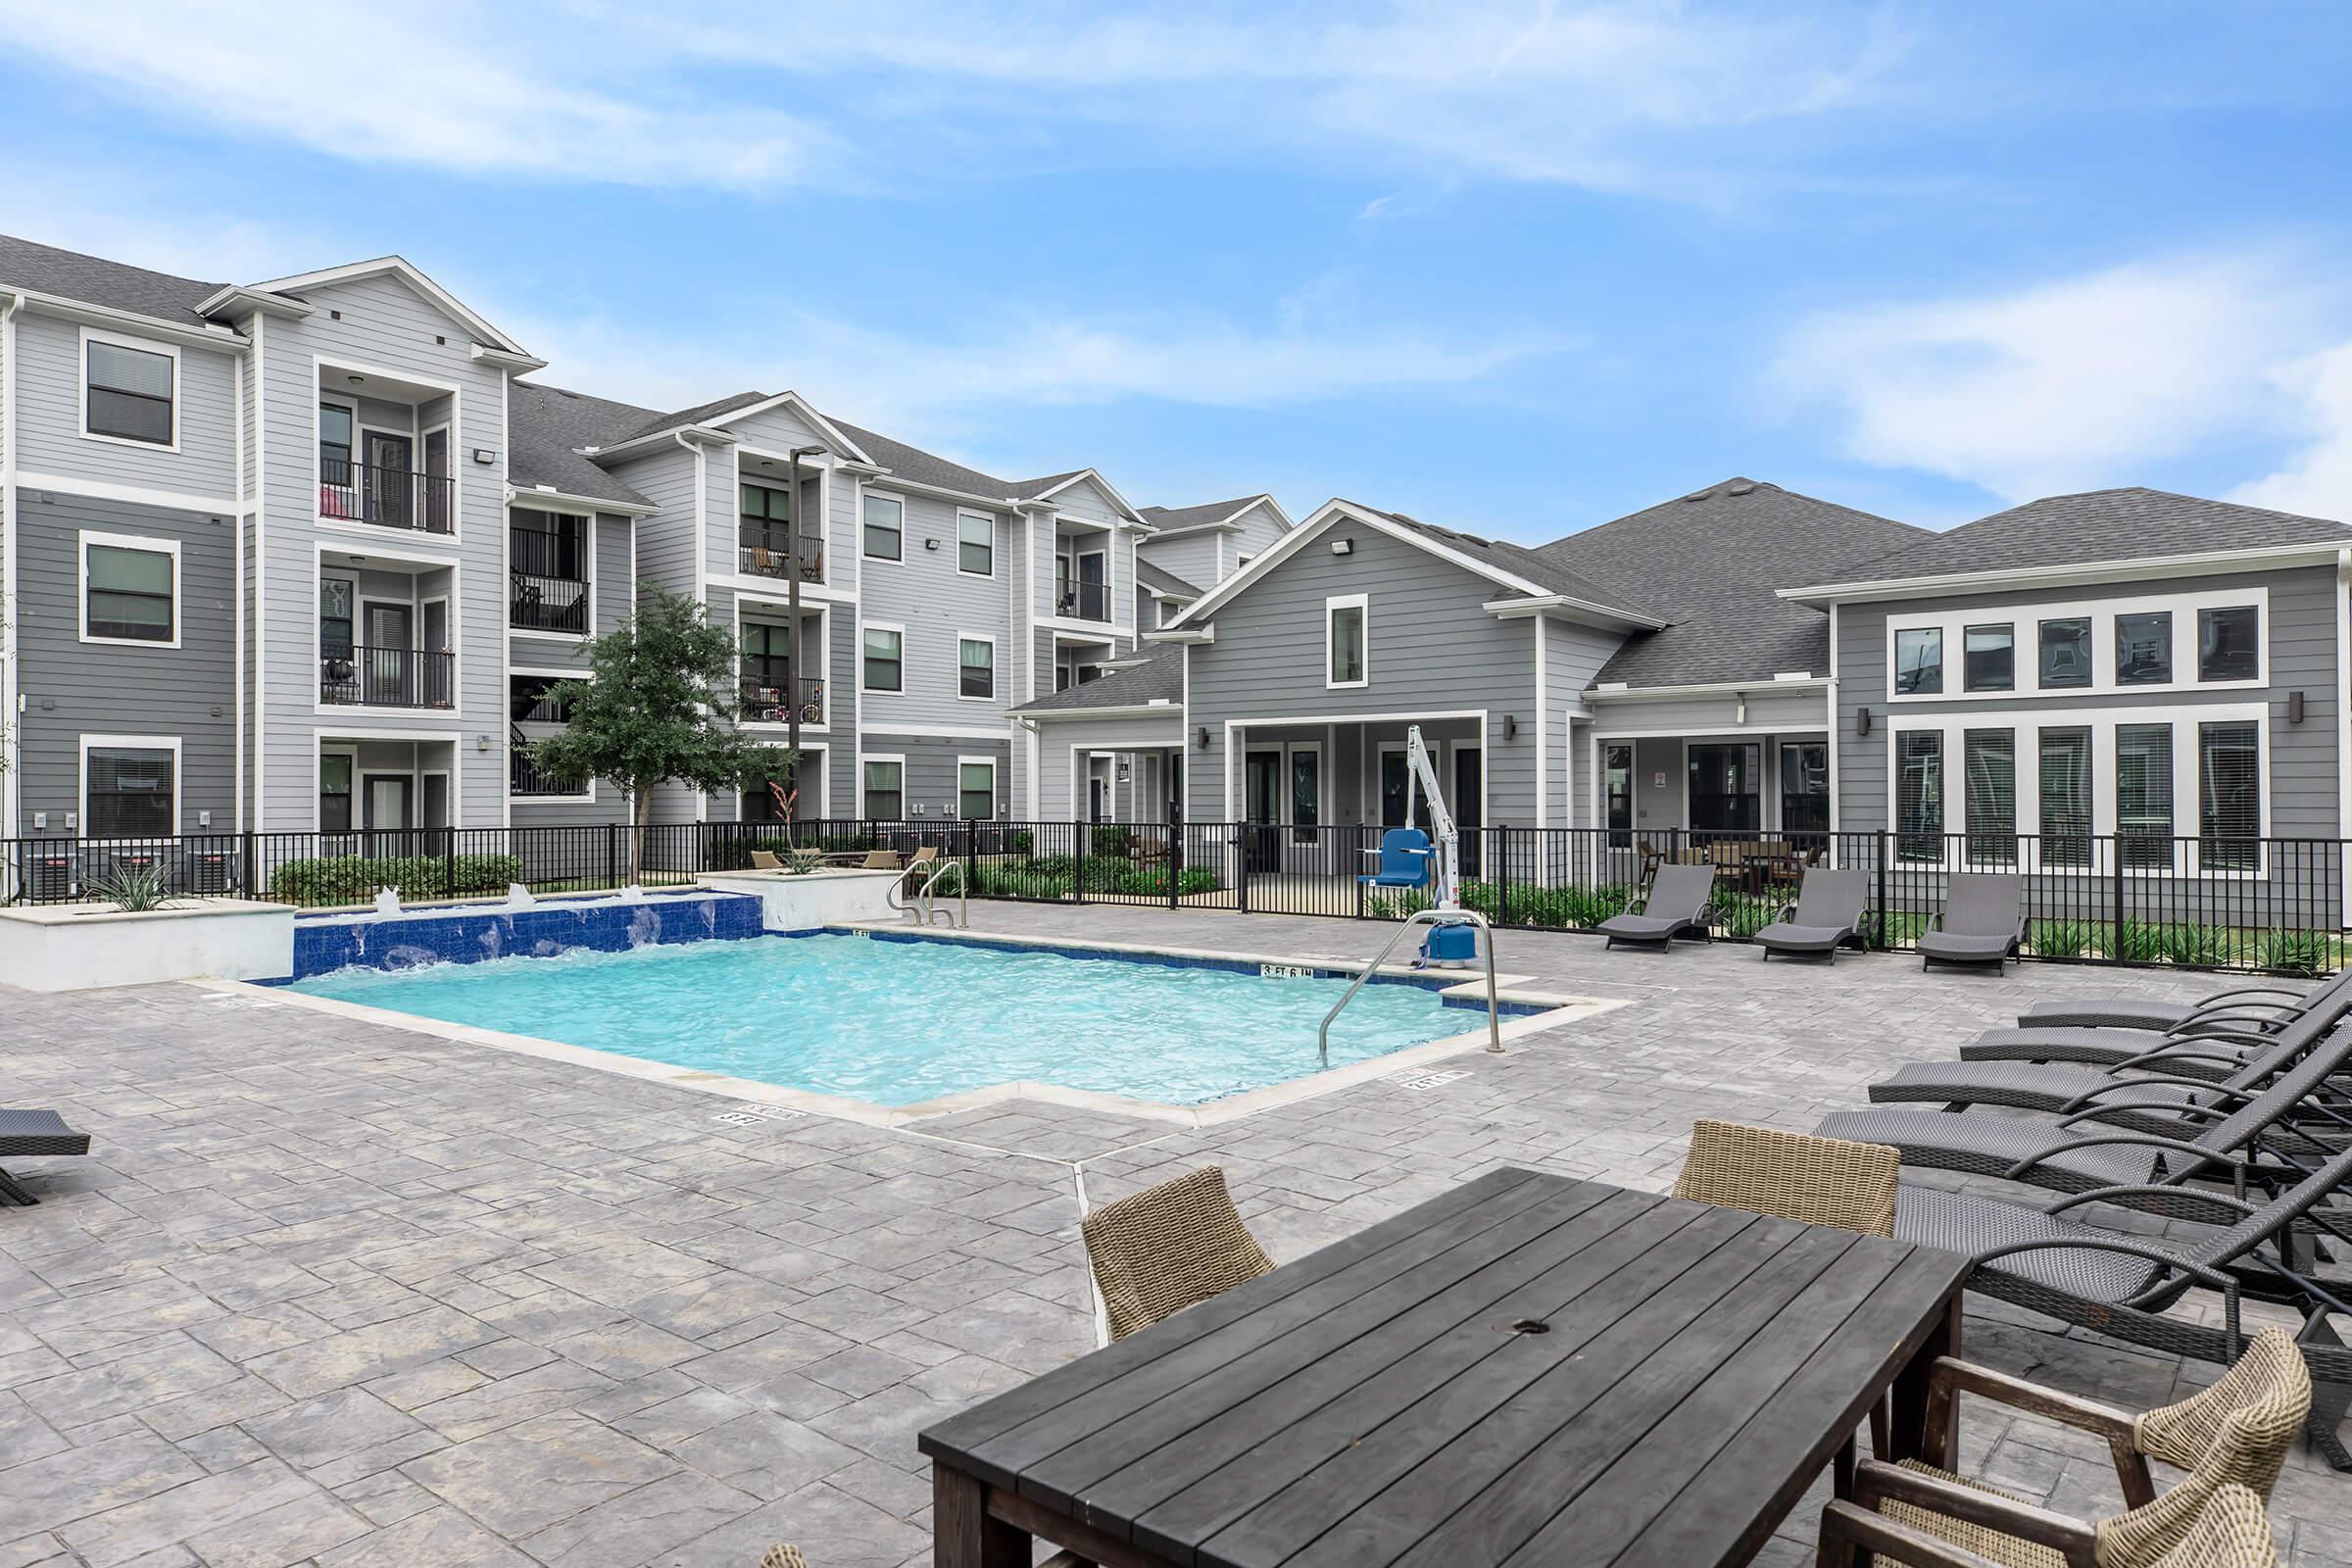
[[93, 280], [1552, 576], [1160, 580], [680, 418], [1162, 680], [1711, 562], [1031, 489], [1191, 516], [544, 426], [2097, 526], [924, 468]]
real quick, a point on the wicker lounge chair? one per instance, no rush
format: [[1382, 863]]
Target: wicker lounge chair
[[1821, 1181], [1914, 1513], [1984, 922], [2225, 1036], [1170, 1247], [766, 860], [31, 1134], [1675, 906], [2136, 1012], [2088, 1150], [2122, 1286], [1827, 916]]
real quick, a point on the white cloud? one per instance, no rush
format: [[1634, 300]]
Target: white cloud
[[2072, 384], [2318, 481]]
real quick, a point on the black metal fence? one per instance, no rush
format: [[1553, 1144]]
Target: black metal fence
[[2274, 904]]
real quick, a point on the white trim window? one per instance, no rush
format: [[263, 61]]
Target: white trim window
[[129, 390], [1347, 641], [975, 544], [882, 527], [129, 786], [975, 668], [129, 590], [977, 788], [2203, 641], [882, 785], [882, 659]]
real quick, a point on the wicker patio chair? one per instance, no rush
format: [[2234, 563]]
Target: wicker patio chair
[[2230, 1530], [1826, 916], [2141, 1013], [766, 860], [33, 1133], [783, 1554], [1167, 1248], [1997, 1527], [2208, 1046], [1984, 922], [1821, 1181], [1677, 905]]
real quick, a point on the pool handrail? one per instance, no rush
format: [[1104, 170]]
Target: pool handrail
[[1433, 917]]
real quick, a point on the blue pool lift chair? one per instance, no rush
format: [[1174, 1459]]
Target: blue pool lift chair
[[1407, 859]]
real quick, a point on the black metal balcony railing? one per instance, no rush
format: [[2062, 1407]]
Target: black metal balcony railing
[[388, 677], [765, 701], [547, 604], [1084, 601], [762, 552], [395, 497], [526, 777]]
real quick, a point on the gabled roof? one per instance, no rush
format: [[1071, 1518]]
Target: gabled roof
[[2102, 527], [1159, 678], [918, 467], [409, 273], [1209, 513], [1712, 561], [546, 426], [94, 280], [1163, 581], [1052, 484]]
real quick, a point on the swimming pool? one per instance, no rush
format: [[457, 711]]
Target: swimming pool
[[897, 1022]]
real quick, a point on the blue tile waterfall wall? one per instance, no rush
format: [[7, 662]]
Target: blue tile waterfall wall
[[469, 935]]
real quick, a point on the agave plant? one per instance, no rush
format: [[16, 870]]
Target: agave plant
[[2063, 939], [133, 889]]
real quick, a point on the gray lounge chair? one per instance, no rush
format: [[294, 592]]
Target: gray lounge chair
[[2212, 1047], [2237, 1137], [2121, 1286], [2176, 1071], [30, 1134], [1984, 920], [2251, 1002], [1676, 907], [1826, 916]]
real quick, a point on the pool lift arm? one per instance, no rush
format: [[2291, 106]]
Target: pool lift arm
[[1447, 911]]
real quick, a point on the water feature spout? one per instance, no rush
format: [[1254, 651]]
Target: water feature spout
[[519, 896], [632, 894], [387, 902]]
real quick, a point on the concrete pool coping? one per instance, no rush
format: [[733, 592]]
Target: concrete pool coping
[[1558, 1010]]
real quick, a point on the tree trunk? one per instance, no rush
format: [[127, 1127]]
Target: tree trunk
[[643, 799]]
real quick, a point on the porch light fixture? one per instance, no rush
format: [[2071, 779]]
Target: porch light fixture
[[356, 381], [1739, 713], [2294, 707], [1861, 720], [930, 544], [1511, 727], [1203, 736], [481, 742], [1343, 547]]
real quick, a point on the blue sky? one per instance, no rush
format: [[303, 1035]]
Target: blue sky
[[1515, 268]]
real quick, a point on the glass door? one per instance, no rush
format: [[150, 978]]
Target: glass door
[[1805, 787], [1617, 791], [1725, 788], [1469, 779], [1261, 795]]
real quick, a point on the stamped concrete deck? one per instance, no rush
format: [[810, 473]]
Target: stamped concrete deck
[[351, 1295]]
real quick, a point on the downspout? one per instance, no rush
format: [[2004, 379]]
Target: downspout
[[791, 601], [1834, 719], [701, 577], [237, 591], [2343, 729], [11, 721]]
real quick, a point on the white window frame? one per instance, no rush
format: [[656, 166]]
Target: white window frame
[[899, 758], [2027, 619], [995, 783], [82, 375], [138, 743], [128, 541], [961, 638], [899, 690], [1331, 606], [966, 515], [864, 496], [2102, 722]]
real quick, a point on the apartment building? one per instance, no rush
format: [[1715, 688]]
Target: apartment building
[[308, 554]]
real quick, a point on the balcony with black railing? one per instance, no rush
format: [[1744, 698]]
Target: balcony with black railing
[[387, 677], [767, 551], [766, 702], [525, 776], [1082, 601], [391, 497]]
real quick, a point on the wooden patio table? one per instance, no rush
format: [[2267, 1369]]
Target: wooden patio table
[[1528, 1371]]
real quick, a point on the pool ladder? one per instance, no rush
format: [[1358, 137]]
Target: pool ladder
[[1485, 946], [922, 904]]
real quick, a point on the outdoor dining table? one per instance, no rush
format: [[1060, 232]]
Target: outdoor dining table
[[1527, 1370]]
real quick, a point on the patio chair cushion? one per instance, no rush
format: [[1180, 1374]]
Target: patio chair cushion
[[1990, 1144], [1642, 927], [1788, 937], [1960, 948]]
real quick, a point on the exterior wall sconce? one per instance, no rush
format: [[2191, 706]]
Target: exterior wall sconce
[[1861, 720], [1204, 742], [1343, 547], [2294, 707], [1739, 713], [930, 544], [1511, 727], [481, 742]]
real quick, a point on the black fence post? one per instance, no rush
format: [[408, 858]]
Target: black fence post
[[448, 862], [1885, 920], [1241, 863], [2115, 932], [972, 856], [612, 855], [1175, 862], [1078, 849], [250, 876]]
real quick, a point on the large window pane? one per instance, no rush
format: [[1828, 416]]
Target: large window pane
[[976, 791], [885, 524], [1989, 758], [2229, 643], [2143, 794], [2066, 797], [1306, 795], [884, 672], [1988, 658], [1726, 788], [130, 393], [1346, 645], [2064, 653], [975, 545], [1918, 661], [334, 793], [1919, 795], [2143, 648], [130, 593], [885, 790], [976, 673], [129, 793], [2230, 797]]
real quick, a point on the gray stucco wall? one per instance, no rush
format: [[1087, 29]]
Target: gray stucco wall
[[73, 688]]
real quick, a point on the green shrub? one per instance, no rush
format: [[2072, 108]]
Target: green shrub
[[2305, 953], [1110, 838], [1196, 879], [1016, 879], [2136, 942], [1391, 903], [2063, 939], [1893, 929], [1743, 914], [2198, 946], [355, 878], [1023, 841], [134, 889]]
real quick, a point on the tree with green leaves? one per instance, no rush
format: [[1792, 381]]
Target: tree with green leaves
[[657, 709]]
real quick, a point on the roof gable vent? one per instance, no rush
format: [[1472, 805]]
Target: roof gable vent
[[1741, 487]]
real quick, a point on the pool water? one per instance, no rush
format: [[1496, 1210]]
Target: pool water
[[897, 1022]]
